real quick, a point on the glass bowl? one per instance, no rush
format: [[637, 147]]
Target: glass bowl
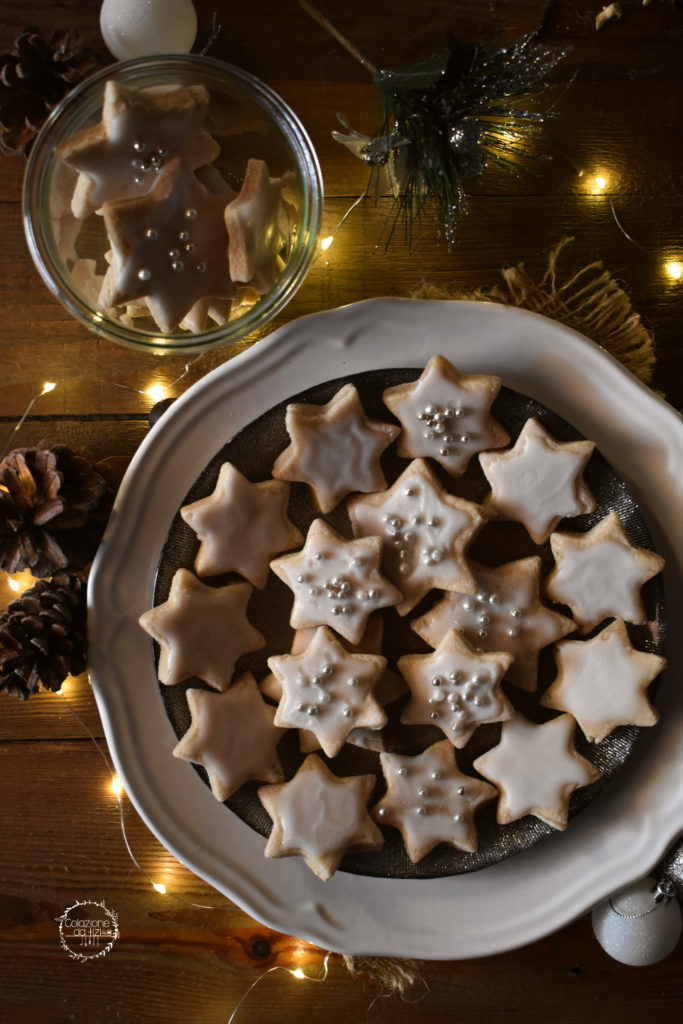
[[248, 121]]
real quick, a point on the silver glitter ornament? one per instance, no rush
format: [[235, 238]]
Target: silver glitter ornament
[[639, 925]]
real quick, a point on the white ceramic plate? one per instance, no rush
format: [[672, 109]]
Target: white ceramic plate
[[619, 837]]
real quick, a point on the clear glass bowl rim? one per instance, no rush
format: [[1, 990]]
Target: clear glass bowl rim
[[246, 86]]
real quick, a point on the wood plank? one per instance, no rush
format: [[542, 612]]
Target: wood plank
[[97, 377], [174, 961]]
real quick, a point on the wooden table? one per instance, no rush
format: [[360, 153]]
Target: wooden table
[[62, 841]]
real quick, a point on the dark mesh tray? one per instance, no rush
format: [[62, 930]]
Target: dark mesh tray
[[253, 451]]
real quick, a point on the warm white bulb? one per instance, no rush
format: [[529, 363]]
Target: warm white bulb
[[326, 243], [14, 585], [156, 392], [116, 786], [601, 182], [48, 386], [298, 973], [674, 269], [159, 886]]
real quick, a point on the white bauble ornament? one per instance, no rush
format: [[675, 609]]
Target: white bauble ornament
[[140, 28], [639, 925]]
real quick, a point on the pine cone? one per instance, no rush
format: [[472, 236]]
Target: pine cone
[[34, 77], [50, 491], [43, 636]]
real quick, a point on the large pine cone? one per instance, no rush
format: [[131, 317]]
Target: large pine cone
[[34, 77], [53, 509], [43, 636]]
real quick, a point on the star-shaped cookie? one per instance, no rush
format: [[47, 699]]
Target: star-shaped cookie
[[253, 224], [536, 769], [241, 525], [603, 681], [455, 688], [504, 613], [425, 531], [335, 582], [328, 690], [599, 574], [140, 131], [169, 248], [445, 415], [201, 630], [320, 816], [335, 448], [430, 801], [232, 736], [539, 481]]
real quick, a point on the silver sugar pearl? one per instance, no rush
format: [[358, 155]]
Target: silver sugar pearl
[[144, 274]]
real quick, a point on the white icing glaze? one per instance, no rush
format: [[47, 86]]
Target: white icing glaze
[[142, 130], [232, 735], [445, 415], [170, 248], [319, 816], [424, 532], [335, 582], [335, 448], [602, 682], [505, 614], [328, 690], [455, 688], [241, 525], [600, 573], [430, 800], [536, 768], [201, 630], [538, 481]]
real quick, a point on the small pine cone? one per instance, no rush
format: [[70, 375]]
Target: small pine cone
[[43, 636], [53, 509], [34, 77]]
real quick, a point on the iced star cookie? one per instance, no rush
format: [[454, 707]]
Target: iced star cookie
[[455, 688], [430, 801], [445, 415], [241, 525], [599, 574], [425, 532], [253, 224], [232, 736], [335, 448], [539, 481], [319, 816], [603, 681], [335, 582], [201, 630], [140, 132], [536, 769], [328, 690], [169, 248], [504, 613]]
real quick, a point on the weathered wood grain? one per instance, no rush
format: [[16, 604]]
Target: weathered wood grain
[[617, 97]]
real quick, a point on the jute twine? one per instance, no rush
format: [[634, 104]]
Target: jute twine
[[590, 301]]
